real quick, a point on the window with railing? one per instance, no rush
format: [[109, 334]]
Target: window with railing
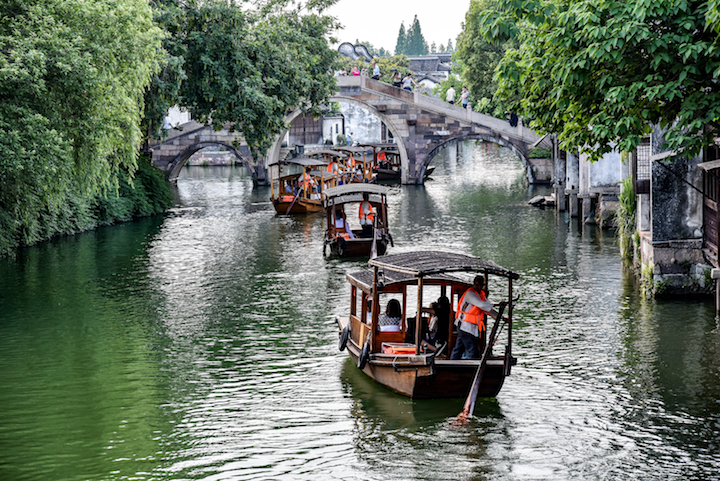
[[642, 166]]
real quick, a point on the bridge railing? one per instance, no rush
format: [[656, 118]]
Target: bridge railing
[[500, 126]]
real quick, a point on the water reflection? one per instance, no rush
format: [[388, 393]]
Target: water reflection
[[201, 345]]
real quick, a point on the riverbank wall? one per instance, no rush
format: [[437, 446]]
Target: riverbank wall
[[670, 256]]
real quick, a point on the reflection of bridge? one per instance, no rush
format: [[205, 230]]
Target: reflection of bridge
[[422, 126]]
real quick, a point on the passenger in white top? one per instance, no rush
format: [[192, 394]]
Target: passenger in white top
[[341, 223]]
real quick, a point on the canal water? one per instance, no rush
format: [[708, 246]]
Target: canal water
[[200, 345]]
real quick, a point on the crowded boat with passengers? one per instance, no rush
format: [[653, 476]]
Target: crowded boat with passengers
[[411, 319], [296, 184]]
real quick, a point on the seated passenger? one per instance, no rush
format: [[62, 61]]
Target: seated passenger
[[442, 313], [366, 216], [341, 223], [391, 320]]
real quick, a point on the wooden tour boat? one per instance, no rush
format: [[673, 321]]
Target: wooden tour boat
[[399, 358], [296, 185], [358, 165], [386, 163], [372, 235]]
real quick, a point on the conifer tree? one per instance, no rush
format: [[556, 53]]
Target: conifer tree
[[450, 48], [416, 44], [401, 45]]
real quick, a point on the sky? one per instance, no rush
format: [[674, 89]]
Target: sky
[[378, 21]]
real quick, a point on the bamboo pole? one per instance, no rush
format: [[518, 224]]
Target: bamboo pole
[[418, 317]]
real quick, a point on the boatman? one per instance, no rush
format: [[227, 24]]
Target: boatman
[[366, 215], [473, 309]]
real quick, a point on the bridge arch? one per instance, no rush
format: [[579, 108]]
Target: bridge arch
[[485, 138], [176, 165], [402, 150]]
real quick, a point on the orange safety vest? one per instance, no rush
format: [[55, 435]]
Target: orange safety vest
[[381, 156], [351, 161], [366, 207], [332, 167], [470, 313]]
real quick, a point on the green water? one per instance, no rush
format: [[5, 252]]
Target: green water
[[201, 345]]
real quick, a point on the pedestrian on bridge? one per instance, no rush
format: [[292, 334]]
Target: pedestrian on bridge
[[407, 81], [396, 79], [450, 95], [464, 97]]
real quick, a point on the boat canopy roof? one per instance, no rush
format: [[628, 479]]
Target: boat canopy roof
[[334, 153], [427, 263], [364, 279], [303, 161], [353, 150], [347, 189], [381, 146]]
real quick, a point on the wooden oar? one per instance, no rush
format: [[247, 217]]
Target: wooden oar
[[373, 247], [293, 202], [469, 407]]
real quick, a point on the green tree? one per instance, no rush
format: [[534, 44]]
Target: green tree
[[433, 48], [416, 44], [477, 59], [246, 68], [450, 48], [72, 77], [401, 44], [601, 72]]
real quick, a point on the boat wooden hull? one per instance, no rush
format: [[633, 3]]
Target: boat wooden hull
[[356, 247], [387, 175], [300, 207], [422, 377], [390, 175]]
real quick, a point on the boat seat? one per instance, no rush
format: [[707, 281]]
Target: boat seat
[[390, 336]]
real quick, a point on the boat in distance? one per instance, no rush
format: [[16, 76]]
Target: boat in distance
[[372, 236], [405, 358], [299, 191]]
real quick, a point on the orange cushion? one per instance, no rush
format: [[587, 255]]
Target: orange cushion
[[405, 349]]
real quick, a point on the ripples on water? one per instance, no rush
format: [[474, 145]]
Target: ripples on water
[[202, 345]]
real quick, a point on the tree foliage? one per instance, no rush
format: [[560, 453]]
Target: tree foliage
[[601, 72], [449, 47], [401, 44], [72, 77], [244, 69], [411, 42], [477, 58], [416, 44], [386, 64]]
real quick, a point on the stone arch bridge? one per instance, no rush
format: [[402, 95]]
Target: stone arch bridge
[[422, 126]]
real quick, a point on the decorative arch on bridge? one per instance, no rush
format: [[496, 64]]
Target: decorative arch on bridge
[[402, 150], [485, 138], [179, 162]]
